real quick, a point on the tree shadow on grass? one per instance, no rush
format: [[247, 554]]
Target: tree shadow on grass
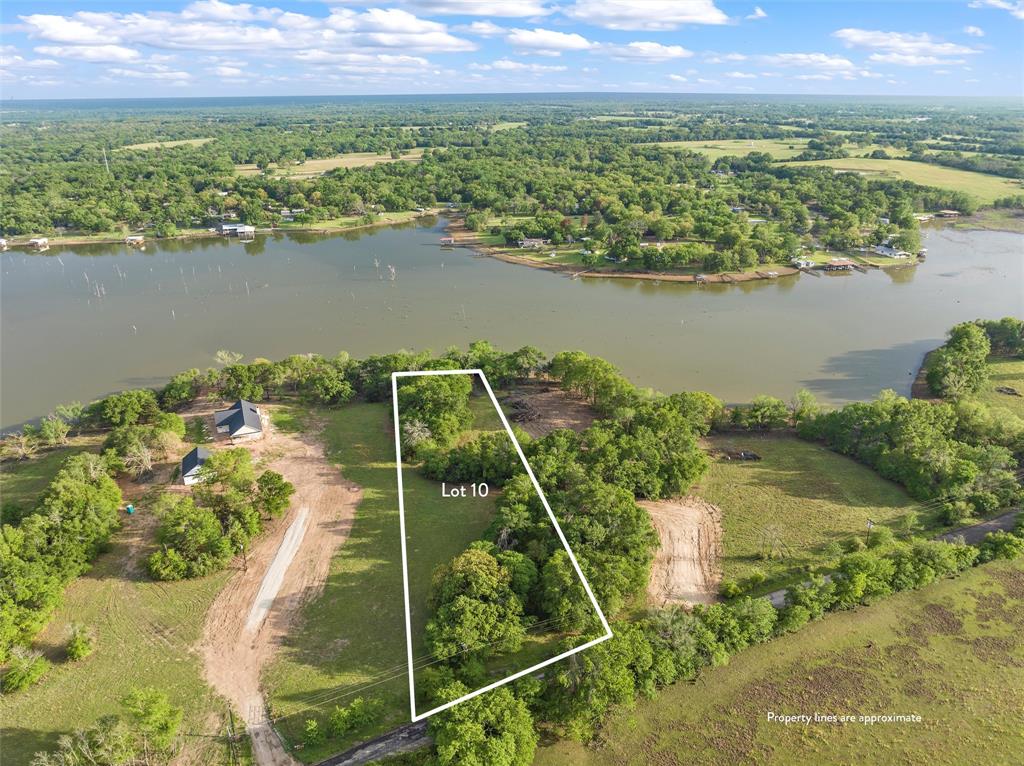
[[19, 744]]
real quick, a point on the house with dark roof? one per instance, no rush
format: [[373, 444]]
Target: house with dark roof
[[240, 421], [191, 463]]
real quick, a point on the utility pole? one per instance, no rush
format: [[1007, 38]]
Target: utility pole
[[106, 164]]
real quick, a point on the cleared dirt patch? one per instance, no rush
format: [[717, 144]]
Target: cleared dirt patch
[[234, 656], [687, 566], [539, 409]]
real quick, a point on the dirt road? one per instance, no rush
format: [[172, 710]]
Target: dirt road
[[286, 568], [686, 566]]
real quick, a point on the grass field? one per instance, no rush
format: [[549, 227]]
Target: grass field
[[312, 168], [985, 188], [796, 500], [144, 634], [22, 481], [778, 148], [354, 633], [354, 221], [952, 653], [167, 144], [1004, 371]]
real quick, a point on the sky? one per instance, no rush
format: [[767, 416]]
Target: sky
[[112, 49]]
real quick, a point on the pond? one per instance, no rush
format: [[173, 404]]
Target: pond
[[80, 322]]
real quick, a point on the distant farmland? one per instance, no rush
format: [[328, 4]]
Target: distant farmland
[[986, 188], [312, 168]]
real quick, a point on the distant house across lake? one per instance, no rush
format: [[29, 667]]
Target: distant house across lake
[[241, 421], [191, 463]]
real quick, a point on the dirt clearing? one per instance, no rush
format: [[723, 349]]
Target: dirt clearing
[[540, 408], [285, 569], [687, 566]]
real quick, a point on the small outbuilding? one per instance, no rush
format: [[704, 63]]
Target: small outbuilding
[[39, 244], [191, 463]]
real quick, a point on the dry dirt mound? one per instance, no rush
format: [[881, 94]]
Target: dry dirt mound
[[687, 566], [539, 409], [236, 648]]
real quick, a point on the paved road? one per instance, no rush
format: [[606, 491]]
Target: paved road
[[972, 535]]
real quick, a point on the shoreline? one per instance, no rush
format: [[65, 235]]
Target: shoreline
[[207, 234], [463, 237]]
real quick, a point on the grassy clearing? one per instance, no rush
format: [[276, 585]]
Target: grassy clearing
[[353, 222], [986, 188], [146, 627], [993, 219], [952, 653], [167, 144], [313, 168], [354, 633], [22, 481], [797, 499], [508, 126], [779, 149], [1004, 371]]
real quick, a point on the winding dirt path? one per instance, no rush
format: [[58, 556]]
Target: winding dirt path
[[285, 569], [687, 565]]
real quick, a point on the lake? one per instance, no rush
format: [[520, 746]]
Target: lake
[[80, 322]]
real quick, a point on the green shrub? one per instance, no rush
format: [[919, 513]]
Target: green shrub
[[24, 668], [730, 589], [80, 644], [356, 715], [312, 734]]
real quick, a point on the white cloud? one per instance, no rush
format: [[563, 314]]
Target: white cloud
[[741, 75], [547, 41], [220, 11], [652, 15], [904, 48], [499, 8], [104, 54], [678, 78], [481, 29], [911, 59], [61, 29], [10, 59], [813, 77], [150, 74], [228, 71], [508, 65], [974, 31], [758, 13], [647, 51], [1016, 9], [212, 25], [716, 58], [821, 61]]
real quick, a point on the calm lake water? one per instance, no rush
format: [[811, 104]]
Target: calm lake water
[[80, 322]]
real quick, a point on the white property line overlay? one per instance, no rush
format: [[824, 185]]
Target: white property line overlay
[[405, 562]]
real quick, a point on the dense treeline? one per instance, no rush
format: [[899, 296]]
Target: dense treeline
[[42, 551]]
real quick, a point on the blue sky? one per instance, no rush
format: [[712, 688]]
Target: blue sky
[[105, 48]]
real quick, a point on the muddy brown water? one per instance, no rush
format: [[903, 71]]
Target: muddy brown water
[[79, 322]]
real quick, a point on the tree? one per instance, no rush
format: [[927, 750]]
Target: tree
[[153, 717], [493, 729], [226, 358], [129, 407], [192, 541], [272, 494], [476, 613], [73, 414], [959, 367]]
